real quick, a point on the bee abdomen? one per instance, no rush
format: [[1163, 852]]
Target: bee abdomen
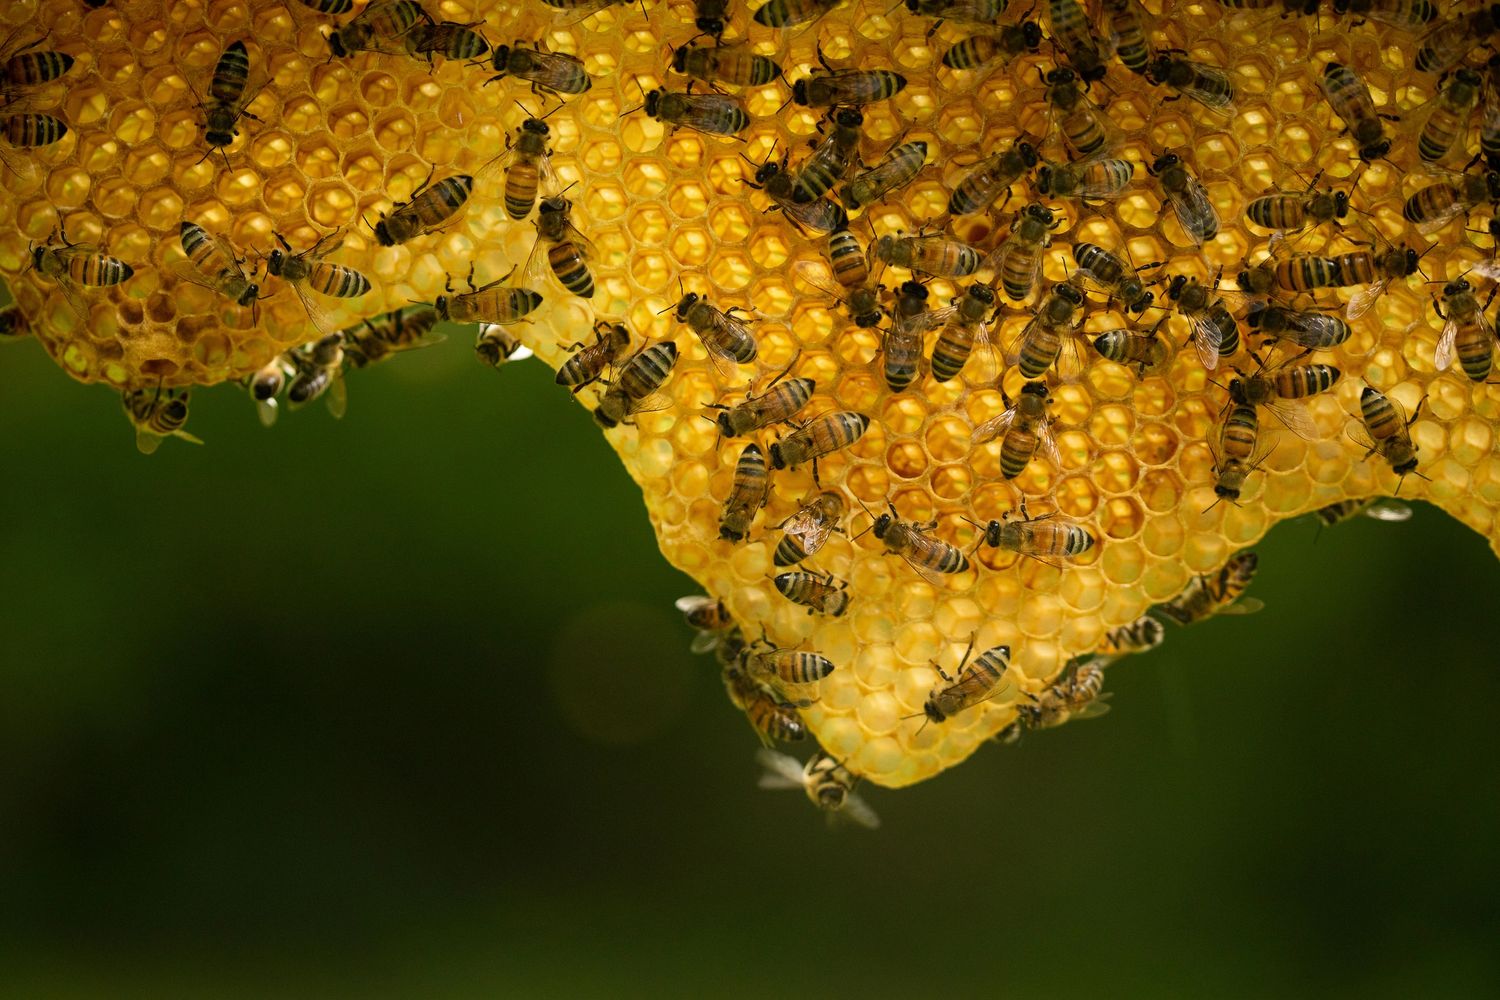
[[32, 129]]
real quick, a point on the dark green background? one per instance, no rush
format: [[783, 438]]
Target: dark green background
[[399, 706]]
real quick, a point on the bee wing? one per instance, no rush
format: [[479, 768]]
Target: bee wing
[[706, 112], [818, 275], [704, 641], [723, 359], [1099, 706], [146, 442], [1363, 299], [1434, 223], [338, 397], [1487, 269], [266, 410], [1244, 606], [993, 427], [317, 315], [1047, 443], [536, 271], [1387, 509], [781, 770], [1442, 357], [1294, 417], [1206, 338], [585, 245], [857, 810]]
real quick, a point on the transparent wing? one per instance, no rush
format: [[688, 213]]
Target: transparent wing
[[1294, 416], [1442, 357], [730, 330], [585, 245], [1364, 299], [818, 275], [781, 770], [857, 810], [146, 442], [1099, 706], [1047, 444], [266, 410], [694, 602], [1206, 338], [338, 397], [993, 427], [1487, 269], [1244, 606], [317, 315], [1436, 222], [1387, 509], [704, 641]]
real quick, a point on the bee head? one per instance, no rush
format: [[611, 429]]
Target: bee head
[[685, 305], [1037, 388], [1059, 76], [383, 234], [336, 44], [1044, 179], [1031, 34], [535, 126], [1410, 261], [799, 93], [1165, 161], [1028, 152], [1375, 150], [1492, 184], [726, 428], [249, 295], [1069, 292], [1340, 204], [848, 118], [439, 305], [679, 59], [501, 58], [653, 102], [1237, 392], [710, 26], [1456, 287], [274, 263], [1175, 286]]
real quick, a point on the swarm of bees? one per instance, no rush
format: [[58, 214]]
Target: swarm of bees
[[887, 308]]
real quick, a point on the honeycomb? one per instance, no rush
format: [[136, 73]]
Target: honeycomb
[[334, 143]]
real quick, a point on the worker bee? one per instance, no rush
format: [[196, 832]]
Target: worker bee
[[1148, 354], [710, 618], [895, 170], [1408, 15], [819, 594], [637, 382], [1447, 117], [266, 384], [771, 718], [1056, 317], [1215, 333], [1375, 267], [23, 68], [711, 114], [726, 338], [611, 340], [711, 17], [1378, 508], [1466, 331], [448, 39], [492, 303], [966, 327], [777, 403], [830, 162], [910, 322], [308, 272], [1215, 593], [1208, 85], [1025, 429], [548, 72], [846, 87], [1069, 27], [429, 207], [990, 176], [861, 301], [807, 530], [13, 325], [1098, 178], [1117, 278], [380, 27], [1127, 33], [1078, 119], [938, 256], [787, 13], [792, 198], [1140, 636], [1433, 207], [747, 495], [568, 251], [212, 263], [1189, 201], [1076, 694], [527, 163], [1450, 42], [977, 683], [732, 64], [1238, 453], [318, 370], [229, 97], [1043, 538], [157, 414], [30, 130], [819, 437], [785, 672], [1387, 432], [1351, 101], [927, 555], [77, 266], [496, 346], [1018, 261], [1291, 211], [977, 51], [373, 340], [826, 781], [1316, 331]]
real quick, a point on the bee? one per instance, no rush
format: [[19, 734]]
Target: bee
[[1069, 28], [976, 51], [1379, 508], [13, 325], [25, 67], [611, 340], [831, 161], [711, 114], [1018, 261], [784, 188], [638, 380], [1466, 331], [430, 206], [374, 340], [861, 300], [568, 251], [1409, 15], [1077, 118], [1148, 354], [1351, 101], [157, 415], [229, 97], [977, 683], [492, 303], [807, 530], [1208, 85], [910, 541], [266, 384], [1041, 341], [1433, 207], [1216, 593], [1448, 118], [1043, 538], [548, 72], [1025, 429], [776, 404], [496, 346], [1215, 333], [847, 258], [960, 11], [308, 272], [1316, 331], [76, 266], [1261, 279], [826, 781], [1387, 432], [1238, 453], [1376, 267], [1075, 695], [966, 327], [895, 170], [819, 437], [448, 39], [786, 13], [380, 27], [846, 87], [527, 163], [212, 263], [1114, 276], [990, 176], [1140, 636], [1095, 179], [1291, 211], [1453, 39], [781, 669], [732, 64], [1195, 213], [318, 369], [31, 130], [938, 256], [726, 338], [711, 17], [709, 617], [771, 718], [747, 495], [903, 341], [1127, 29]]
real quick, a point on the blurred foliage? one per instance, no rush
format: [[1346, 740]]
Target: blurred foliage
[[399, 705]]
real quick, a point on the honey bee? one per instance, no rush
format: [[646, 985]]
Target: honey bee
[[1208, 85], [1098, 178], [1447, 117], [1119, 279], [30, 130], [78, 266], [1148, 354], [496, 346], [711, 114], [709, 617], [747, 495], [938, 256], [448, 39], [990, 176], [492, 303], [527, 163], [966, 327], [846, 87], [568, 251], [861, 300], [318, 370], [229, 97], [826, 781], [13, 325], [156, 415], [910, 322], [1041, 341], [788, 13], [1387, 432], [1278, 389], [430, 206], [637, 382], [1010, 41], [1018, 261], [1189, 201], [1292, 211], [711, 17], [1023, 428], [1140, 636], [819, 437], [548, 72], [732, 64], [1078, 119], [771, 718], [308, 272], [1069, 28], [726, 338], [1452, 40], [23, 68], [1378, 508], [927, 555], [1317, 331], [786, 670], [1127, 31], [895, 170], [1377, 267], [1351, 101], [1215, 593], [1409, 15], [785, 188], [777, 403], [1466, 331], [806, 531], [380, 27], [832, 159], [212, 263], [1433, 207], [1238, 453], [977, 683], [374, 340], [1215, 333], [611, 340], [1077, 694], [266, 384], [1045, 538]]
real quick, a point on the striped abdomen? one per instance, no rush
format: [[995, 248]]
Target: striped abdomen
[[1304, 380], [847, 259], [1238, 437], [796, 667], [96, 269], [1305, 272], [747, 495], [568, 264], [774, 721], [1040, 346], [32, 129], [32, 68], [521, 182], [499, 304], [1475, 346], [952, 350], [231, 73], [1017, 449], [821, 437], [336, 280]]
